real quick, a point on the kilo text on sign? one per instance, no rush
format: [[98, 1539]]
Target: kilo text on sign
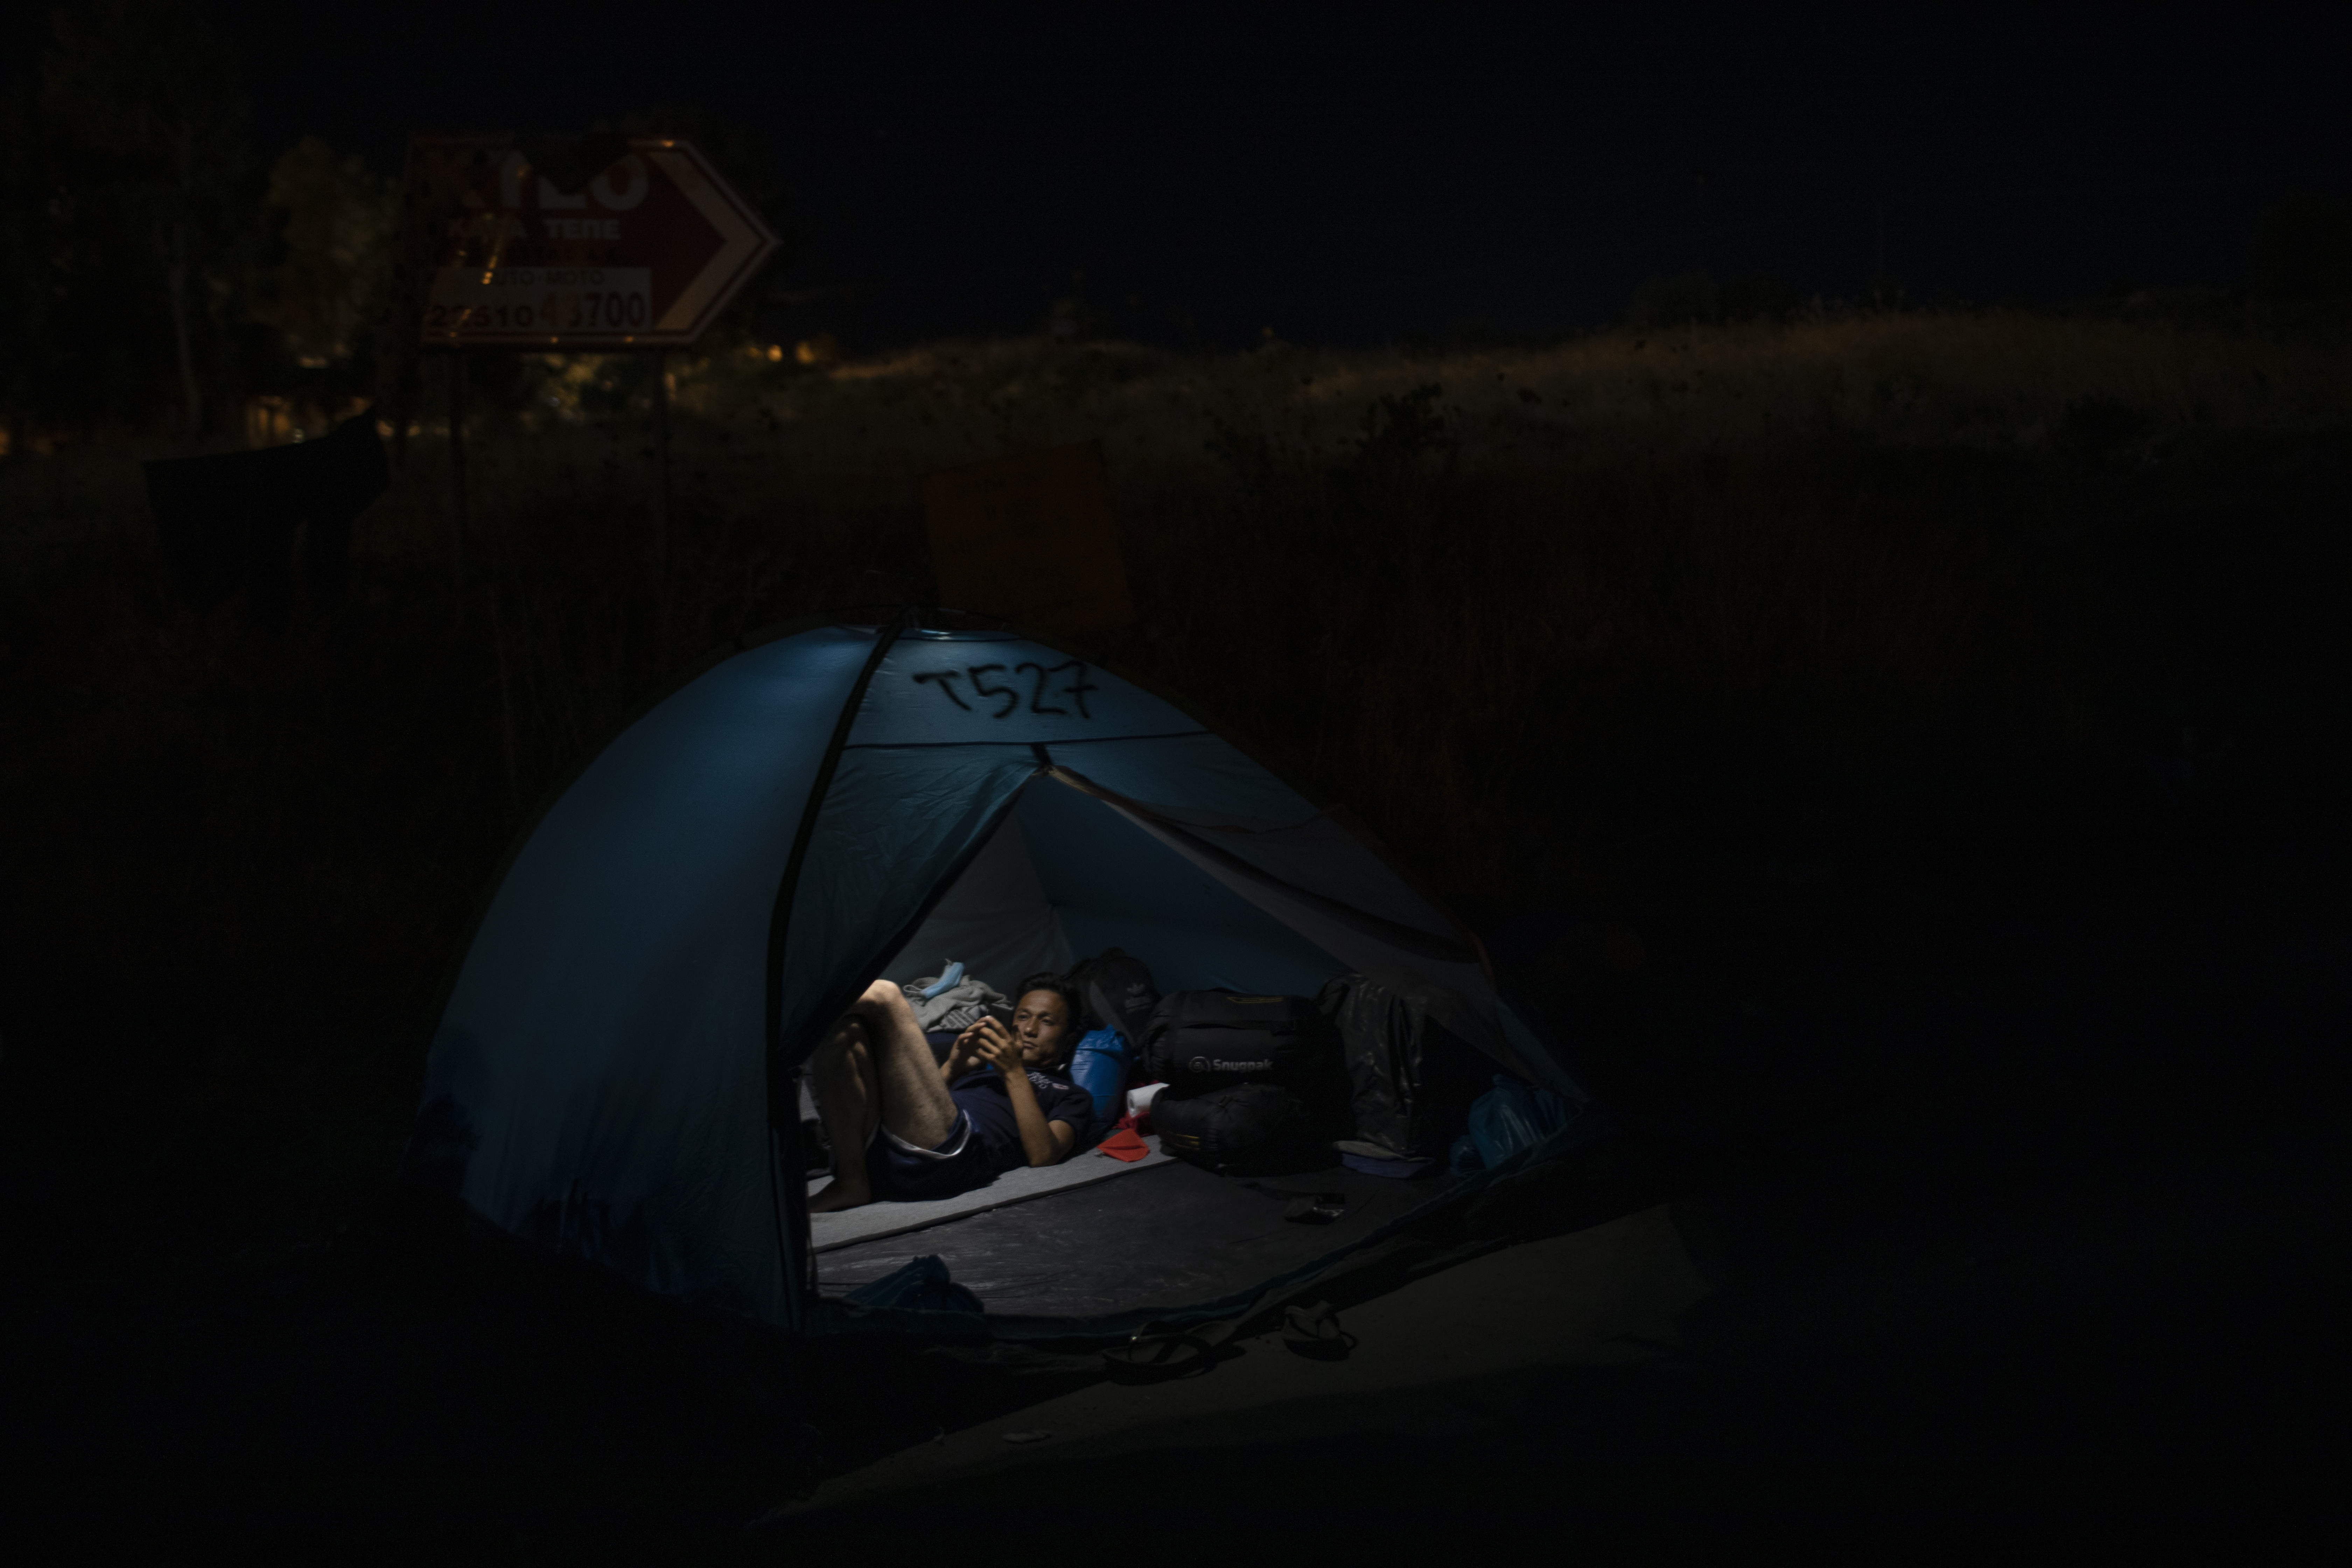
[[644, 254]]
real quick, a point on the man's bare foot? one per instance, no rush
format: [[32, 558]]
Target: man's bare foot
[[841, 1195]]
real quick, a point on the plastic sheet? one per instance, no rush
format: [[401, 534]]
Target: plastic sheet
[[1508, 1119], [921, 1285]]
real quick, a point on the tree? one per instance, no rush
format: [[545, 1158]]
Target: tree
[[141, 103], [340, 218], [27, 281]]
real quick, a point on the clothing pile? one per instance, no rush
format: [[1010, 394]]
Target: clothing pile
[[950, 1002]]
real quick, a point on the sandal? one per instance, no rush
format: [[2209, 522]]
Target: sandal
[[1315, 1332]]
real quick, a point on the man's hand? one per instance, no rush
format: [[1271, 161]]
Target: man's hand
[[1045, 1142], [963, 1055], [993, 1044]]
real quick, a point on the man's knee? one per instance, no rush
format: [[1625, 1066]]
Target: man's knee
[[882, 999], [846, 1037]]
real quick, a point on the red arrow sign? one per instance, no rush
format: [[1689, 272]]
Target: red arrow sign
[[646, 256]]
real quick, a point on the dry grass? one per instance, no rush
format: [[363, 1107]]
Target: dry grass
[[1822, 560]]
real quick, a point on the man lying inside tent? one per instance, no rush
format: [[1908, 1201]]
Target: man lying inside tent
[[929, 1129]]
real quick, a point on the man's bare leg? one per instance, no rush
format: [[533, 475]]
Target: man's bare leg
[[847, 1098], [916, 1104], [875, 1066]]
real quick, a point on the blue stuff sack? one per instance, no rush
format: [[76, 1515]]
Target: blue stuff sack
[[921, 1285], [1099, 1066], [1508, 1118]]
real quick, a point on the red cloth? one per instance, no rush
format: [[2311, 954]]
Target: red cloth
[[1123, 1144]]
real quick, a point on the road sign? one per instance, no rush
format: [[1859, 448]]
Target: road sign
[[644, 255], [1030, 537]]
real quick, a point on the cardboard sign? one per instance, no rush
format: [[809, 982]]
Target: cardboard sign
[[1030, 537]]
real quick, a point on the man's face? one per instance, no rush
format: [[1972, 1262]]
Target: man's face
[[1039, 1023]]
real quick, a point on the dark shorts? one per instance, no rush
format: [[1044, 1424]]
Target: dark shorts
[[903, 1172]]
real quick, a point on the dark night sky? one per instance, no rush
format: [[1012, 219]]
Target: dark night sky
[[1348, 174]]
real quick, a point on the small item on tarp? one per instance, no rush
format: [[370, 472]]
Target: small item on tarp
[[1305, 1208], [1123, 1144]]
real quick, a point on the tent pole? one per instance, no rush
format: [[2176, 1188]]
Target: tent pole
[[791, 1187]]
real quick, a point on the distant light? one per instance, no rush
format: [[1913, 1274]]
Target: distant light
[[776, 353]]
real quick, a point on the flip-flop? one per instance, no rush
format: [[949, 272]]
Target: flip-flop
[[1151, 1357], [1314, 1331]]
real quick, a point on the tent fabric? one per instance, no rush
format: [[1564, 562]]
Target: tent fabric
[[600, 1079]]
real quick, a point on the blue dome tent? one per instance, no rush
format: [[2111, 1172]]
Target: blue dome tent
[[612, 1077]]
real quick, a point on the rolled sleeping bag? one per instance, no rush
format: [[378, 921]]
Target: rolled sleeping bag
[[1242, 1130], [1098, 1065]]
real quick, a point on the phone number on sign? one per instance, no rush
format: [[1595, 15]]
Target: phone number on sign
[[558, 310]]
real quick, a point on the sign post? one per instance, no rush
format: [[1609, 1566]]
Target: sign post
[[604, 247], [457, 467], [661, 461]]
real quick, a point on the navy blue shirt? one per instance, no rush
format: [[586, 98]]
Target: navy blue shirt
[[982, 1095]]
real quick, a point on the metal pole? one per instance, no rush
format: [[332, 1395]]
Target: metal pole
[[661, 461], [457, 465]]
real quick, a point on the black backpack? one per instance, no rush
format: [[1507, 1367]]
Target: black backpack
[[1199, 1040], [1410, 1080], [1115, 992], [1242, 1130]]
